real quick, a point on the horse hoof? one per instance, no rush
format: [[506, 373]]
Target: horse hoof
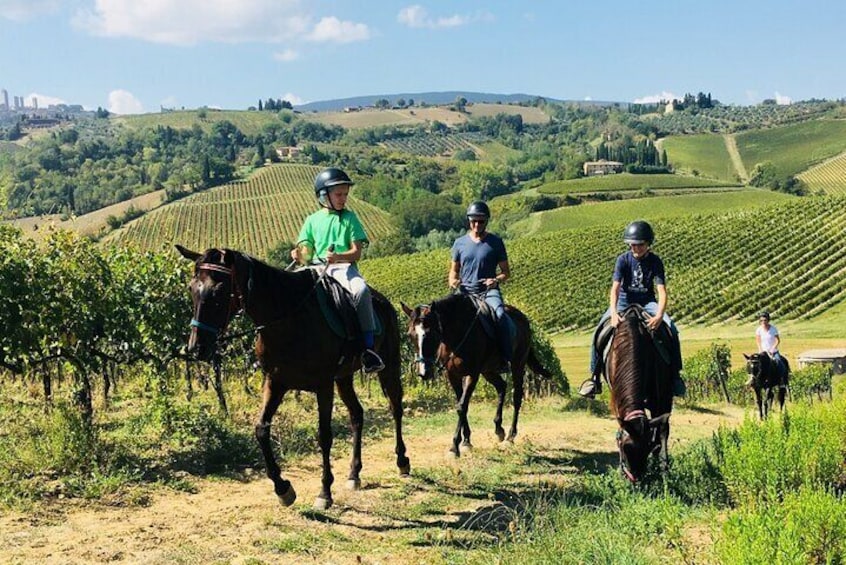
[[288, 497], [321, 503], [466, 447], [353, 484], [500, 435], [405, 471], [452, 454]]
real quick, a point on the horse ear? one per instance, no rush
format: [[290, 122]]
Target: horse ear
[[187, 253], [746, 356], [408, 311]]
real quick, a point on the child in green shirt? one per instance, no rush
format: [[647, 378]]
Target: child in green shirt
[[336, 237]]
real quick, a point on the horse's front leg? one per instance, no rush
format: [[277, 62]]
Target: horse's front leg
[[325, 398], [664, 453], [781, 393], [350, 399], [501, 386], [392, 388], [469, 385], [769, 404], [760, 402], [272, 394]]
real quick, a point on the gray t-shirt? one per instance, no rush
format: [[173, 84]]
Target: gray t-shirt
[[478, 260]]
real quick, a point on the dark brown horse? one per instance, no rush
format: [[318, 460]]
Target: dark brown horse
[[296, 348], [641, 394], [449, 333], [767, 375]]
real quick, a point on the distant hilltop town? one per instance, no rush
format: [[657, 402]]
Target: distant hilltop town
[[12, 110]]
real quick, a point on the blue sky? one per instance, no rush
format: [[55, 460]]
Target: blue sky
[[132, 56]]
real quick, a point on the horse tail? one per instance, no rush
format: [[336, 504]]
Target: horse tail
[[536, 366]]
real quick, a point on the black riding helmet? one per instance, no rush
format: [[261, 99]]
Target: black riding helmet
[[479, 208], [329, 178], [639, 232]]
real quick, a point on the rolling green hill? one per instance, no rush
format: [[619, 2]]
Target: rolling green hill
[[705, 153], [593, 214], [789, 257], [252, 216], [793, 148]]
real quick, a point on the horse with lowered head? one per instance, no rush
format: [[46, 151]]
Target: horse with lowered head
[[449, 333], [297, 349], [641, 394], [766, 374]]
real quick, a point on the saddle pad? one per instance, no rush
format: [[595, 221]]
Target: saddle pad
[[333, 317]]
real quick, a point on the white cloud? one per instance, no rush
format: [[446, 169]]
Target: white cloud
[[417, 16], [22, 10], [286, 55], [333, 29], [124, 102], [43, 100], [293, 99], [187, 22], [655, 98], [588, 98], [783, 100]]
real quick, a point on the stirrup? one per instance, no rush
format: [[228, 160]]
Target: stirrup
[[375, 362], [590, 388]]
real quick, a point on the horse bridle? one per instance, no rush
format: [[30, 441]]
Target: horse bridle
[[236, 300], [429, 361]]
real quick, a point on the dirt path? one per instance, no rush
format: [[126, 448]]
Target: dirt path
[[734, 153], [232, 521]]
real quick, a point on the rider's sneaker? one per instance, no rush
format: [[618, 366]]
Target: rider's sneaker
[[371, 362], [590, 388]]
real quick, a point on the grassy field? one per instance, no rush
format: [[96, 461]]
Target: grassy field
[[249, 122], [706, 154], [794, 148], [627, 181], [615, 212]]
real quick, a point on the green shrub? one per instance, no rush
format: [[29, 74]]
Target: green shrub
[[706, 372], [761, 462], [811, 382], [809, 527]]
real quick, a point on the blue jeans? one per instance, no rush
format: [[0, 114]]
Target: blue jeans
[[503, 322], [622, 304]]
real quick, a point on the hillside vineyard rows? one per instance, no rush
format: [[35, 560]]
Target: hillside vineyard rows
[[789, 257], [829, 177], [252, 216]]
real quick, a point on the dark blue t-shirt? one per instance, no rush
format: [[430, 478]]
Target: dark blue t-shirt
[[478, 260], [638, 277]]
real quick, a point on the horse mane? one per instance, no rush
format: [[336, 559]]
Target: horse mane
[[278, 290], [628, 366]]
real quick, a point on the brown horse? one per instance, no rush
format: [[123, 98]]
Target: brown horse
[[641, 394], [449, 333], [296, 349], [767, 375]]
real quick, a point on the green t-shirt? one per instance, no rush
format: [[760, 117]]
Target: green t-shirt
[[325, 228]]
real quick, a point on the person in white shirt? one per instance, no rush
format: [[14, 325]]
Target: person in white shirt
[[768, 340]]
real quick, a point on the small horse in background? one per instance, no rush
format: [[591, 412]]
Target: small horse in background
[[449, 333], [767, 375], [296, 349], [641, 394]]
